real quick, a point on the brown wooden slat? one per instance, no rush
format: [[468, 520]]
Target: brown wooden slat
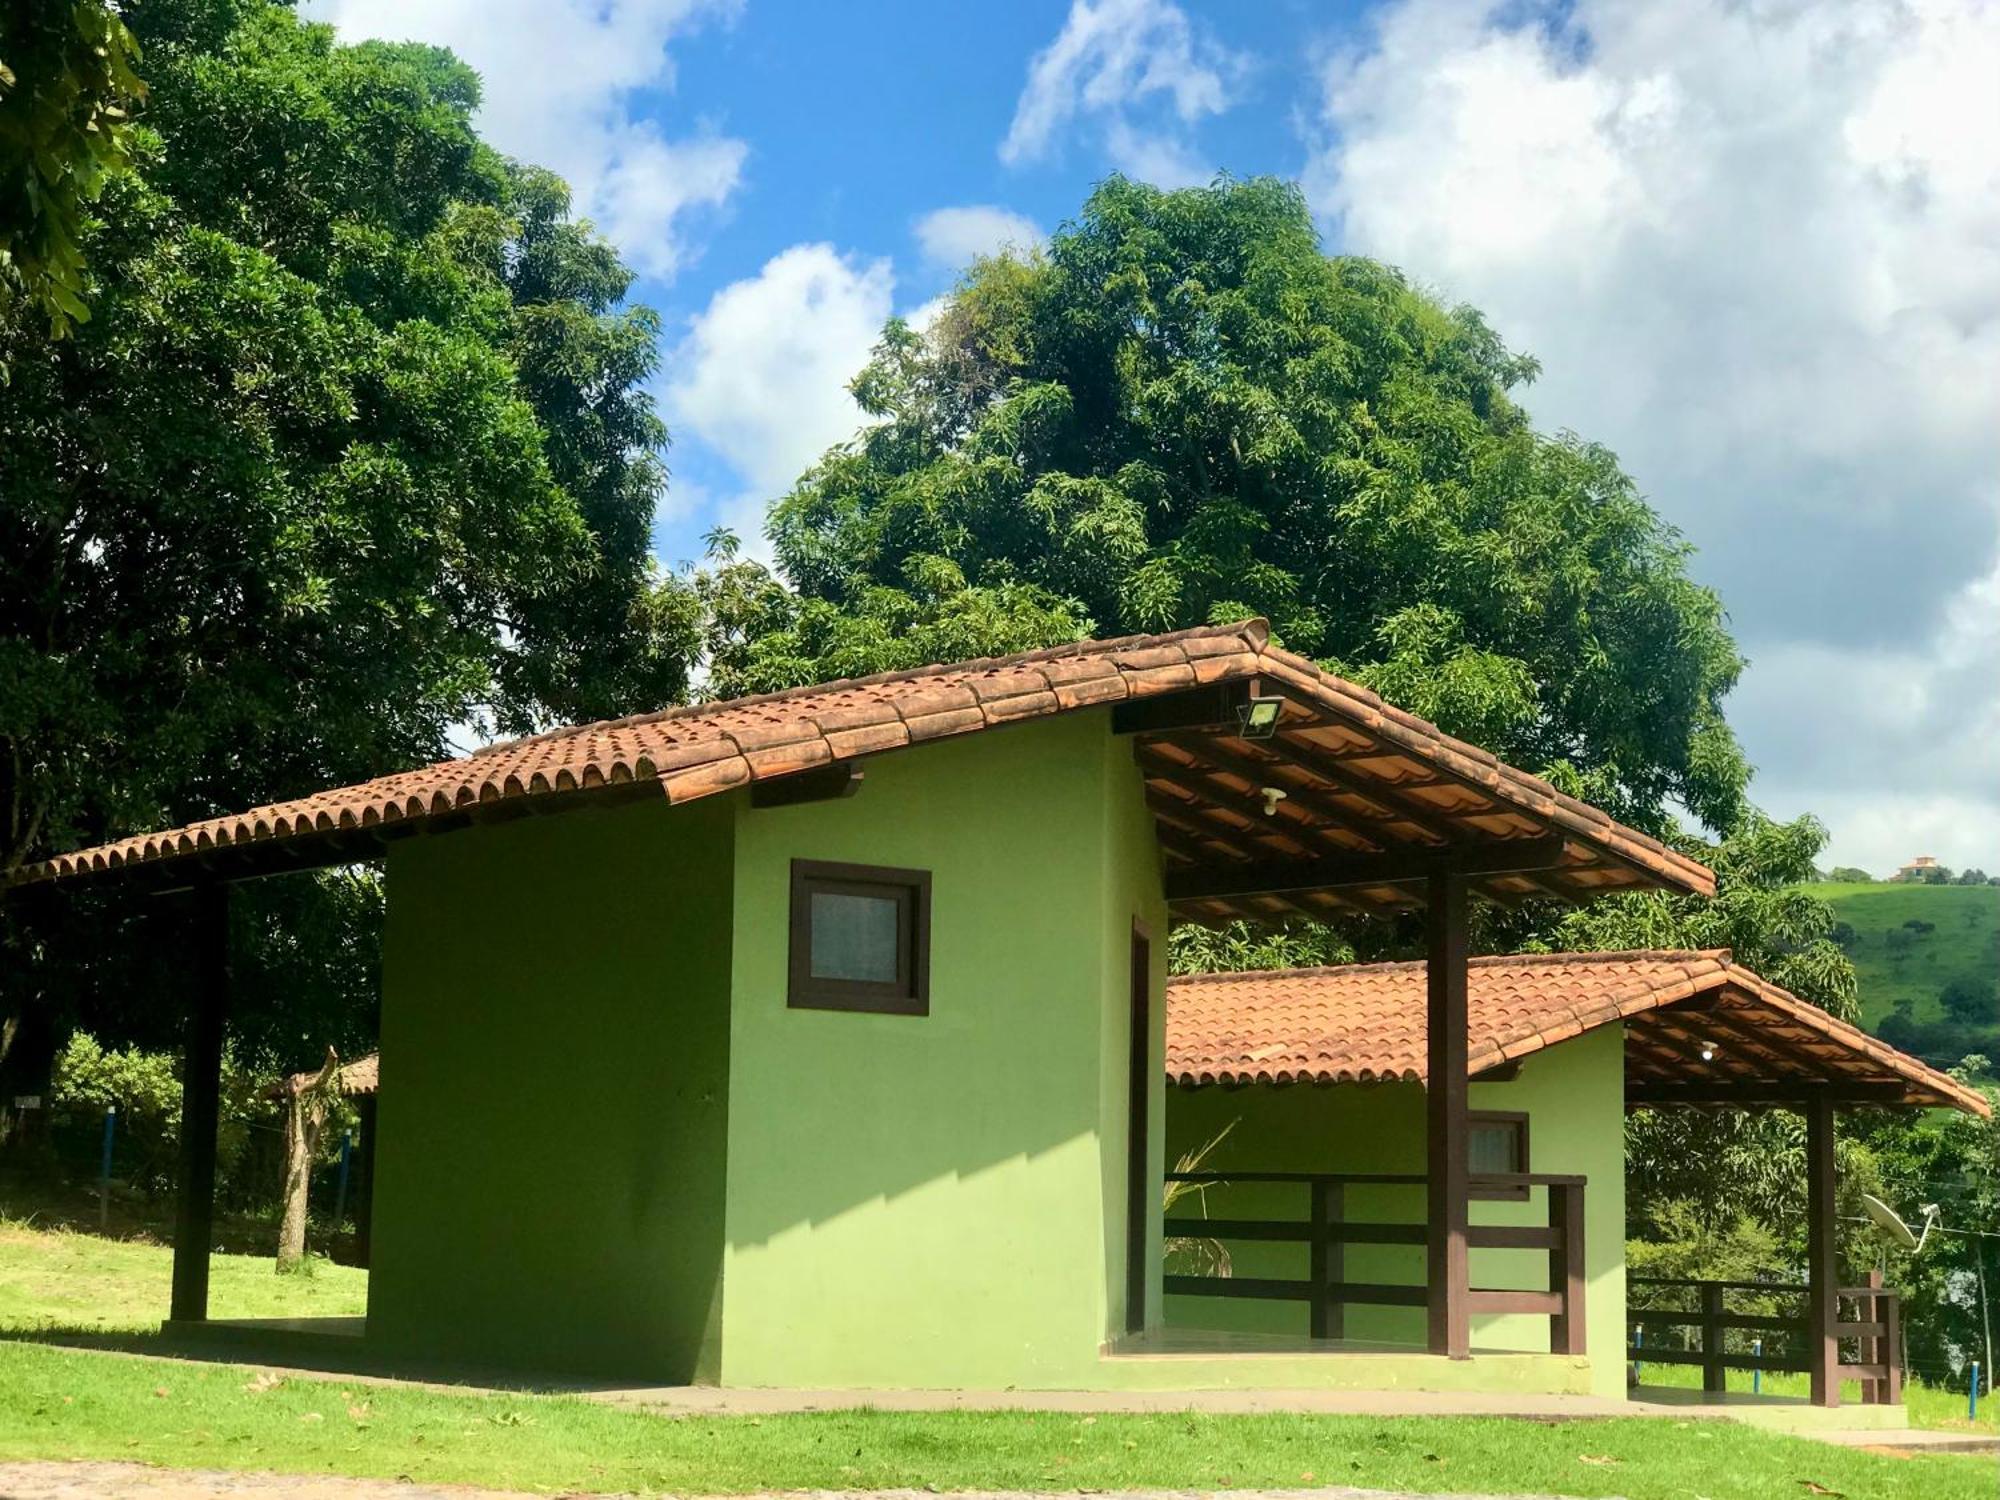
[[1281, 773], [1286, 821]]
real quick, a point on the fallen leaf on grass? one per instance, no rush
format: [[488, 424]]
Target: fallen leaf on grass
[[269, 1380], [1814, 1487], [160, 1390], [358, 1410], [311, 1416], [1600, 1459]]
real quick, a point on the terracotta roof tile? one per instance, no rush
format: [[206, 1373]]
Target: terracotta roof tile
[[1363, 1023], [709, 748]]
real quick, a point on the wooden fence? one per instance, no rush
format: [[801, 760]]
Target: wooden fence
[[1327, 1230], [1704, 1328]]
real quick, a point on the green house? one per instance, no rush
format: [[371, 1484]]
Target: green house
[[819, 1039]]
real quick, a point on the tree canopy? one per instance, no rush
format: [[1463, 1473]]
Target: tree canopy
[[1184, 411], [355, 456], [67, 90], [356, 448]]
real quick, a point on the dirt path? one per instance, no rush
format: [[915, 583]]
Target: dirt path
[[115, 1481]]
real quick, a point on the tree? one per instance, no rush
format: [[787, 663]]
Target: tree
[[1184, 411], [67, 90], [1969, 1002], [1849, 875], [1972, 876], [307, 1101], [355, 453]]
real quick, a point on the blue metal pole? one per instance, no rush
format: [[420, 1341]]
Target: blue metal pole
[[340, 1196], [1638, 1342], [1757, 1371], [1972, 1395], [104, 1168]]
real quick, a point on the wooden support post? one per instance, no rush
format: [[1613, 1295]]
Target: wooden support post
[[1822, 1275], [201, 1100], [1889, 1308], [1714, 1374], [364, 1195], [1873, 1345], [1567, 1334], [1447, 1131], [1329, 1313]]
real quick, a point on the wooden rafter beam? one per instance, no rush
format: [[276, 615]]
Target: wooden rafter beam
[[1279, 773], [1721, 1092], [1216, 706], [1399, 867], [1194, 820], [1400, 808], [1246, 801], [1772, 1049]]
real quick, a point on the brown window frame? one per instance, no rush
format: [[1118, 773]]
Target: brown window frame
[[909, 994], [1519, 1120]]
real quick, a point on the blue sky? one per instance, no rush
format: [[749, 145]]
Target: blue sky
[[1756, 247]]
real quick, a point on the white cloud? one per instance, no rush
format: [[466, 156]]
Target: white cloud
[[1143, 71], [561, 85], [762, 375], [1757, 248], [955, 237]]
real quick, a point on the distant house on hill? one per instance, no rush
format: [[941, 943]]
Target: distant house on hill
[[1918, 870]]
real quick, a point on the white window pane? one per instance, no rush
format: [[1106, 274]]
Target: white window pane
[[854, 937]]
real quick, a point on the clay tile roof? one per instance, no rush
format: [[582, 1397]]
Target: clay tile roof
[[1365, 1023], [687, 753]]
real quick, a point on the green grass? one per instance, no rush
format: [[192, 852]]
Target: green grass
[[71, 1404], [61, 1279], [1928, 1405], [83, 1403], [1964, 945]]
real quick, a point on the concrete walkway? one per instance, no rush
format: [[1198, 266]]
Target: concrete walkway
[[114, 1481]]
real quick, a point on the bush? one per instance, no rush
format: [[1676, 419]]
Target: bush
[[1849, 875], [145, 1088]]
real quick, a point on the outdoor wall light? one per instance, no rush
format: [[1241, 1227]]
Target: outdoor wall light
[[1259, 718], [1272, 796], [1707, 1053]]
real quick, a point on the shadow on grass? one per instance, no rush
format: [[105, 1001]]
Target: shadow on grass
[[298, 1351]]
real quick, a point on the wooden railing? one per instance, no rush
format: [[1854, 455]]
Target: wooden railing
[[1703, 1331], [1327, 1231]]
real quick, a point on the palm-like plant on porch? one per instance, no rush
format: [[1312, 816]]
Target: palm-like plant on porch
[[1194, 1255]]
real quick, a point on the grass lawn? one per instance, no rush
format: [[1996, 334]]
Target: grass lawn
[[60, 1279], [79, 1403], [1964, 942], [72, 1404], [1928, 1405]]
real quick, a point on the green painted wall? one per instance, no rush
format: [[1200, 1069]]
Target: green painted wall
[[938, 1200], [1574, 1096], [553, 1118]]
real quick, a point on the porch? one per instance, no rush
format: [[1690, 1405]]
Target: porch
[[1326, 1069]]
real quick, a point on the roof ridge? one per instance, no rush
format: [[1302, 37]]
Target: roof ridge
[[1481, 960], [1255, 630]]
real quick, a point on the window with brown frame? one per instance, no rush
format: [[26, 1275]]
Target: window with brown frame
[[860, 938], [1496, 1141]]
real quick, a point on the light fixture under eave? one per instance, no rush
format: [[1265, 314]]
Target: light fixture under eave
[[1272, 796], [1707, 1053], [1258, 719]]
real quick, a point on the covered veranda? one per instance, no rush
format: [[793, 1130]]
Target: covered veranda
[[1276, 789], [1693, 1030]]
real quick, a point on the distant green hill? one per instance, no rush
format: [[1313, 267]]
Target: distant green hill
[[1957, 940]]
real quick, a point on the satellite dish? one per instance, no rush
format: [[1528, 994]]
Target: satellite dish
[[1892, 1223]]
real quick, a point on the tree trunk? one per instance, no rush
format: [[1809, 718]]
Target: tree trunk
[[305, 1113]]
